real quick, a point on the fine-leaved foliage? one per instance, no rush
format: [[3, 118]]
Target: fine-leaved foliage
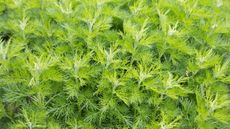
[[114, 64]]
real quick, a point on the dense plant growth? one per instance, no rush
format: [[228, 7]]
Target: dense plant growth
[[114, 64]]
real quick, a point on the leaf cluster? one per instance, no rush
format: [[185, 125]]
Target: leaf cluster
[[114, 64]]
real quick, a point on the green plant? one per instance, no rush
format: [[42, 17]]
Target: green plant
[[114, 64]]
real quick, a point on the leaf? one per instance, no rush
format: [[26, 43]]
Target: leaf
[[52, 74]]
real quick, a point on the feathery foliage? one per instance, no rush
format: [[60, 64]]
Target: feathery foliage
[[114, 64]]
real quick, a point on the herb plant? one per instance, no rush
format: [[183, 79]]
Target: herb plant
[[114, 64]]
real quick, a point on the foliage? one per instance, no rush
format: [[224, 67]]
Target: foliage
[[114, 64]]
